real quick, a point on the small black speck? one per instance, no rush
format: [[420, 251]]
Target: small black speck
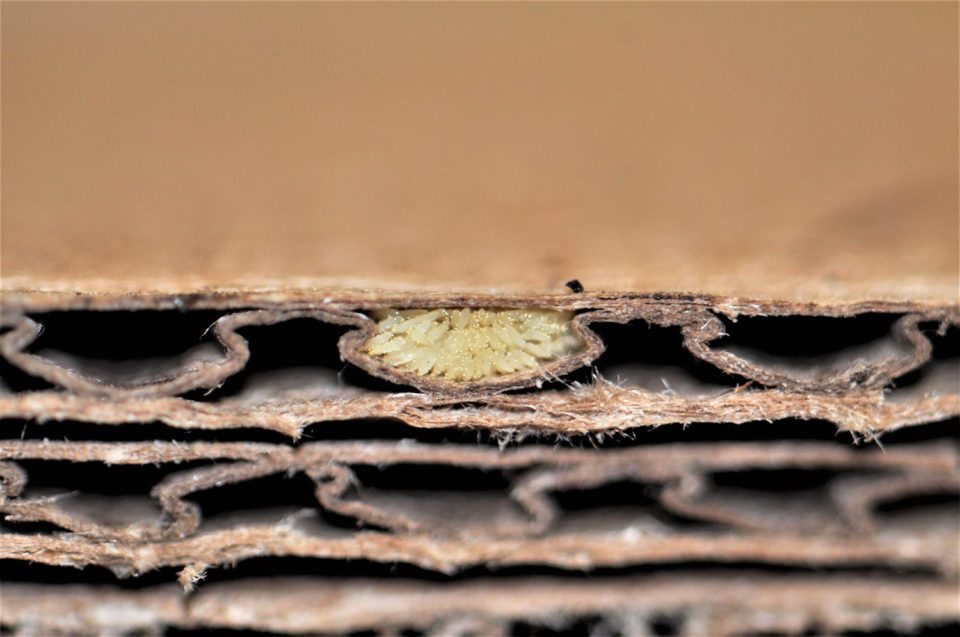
[[575, 285]]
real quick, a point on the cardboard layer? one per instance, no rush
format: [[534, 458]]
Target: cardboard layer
[[699, 604], [803, 152], [448, 529], [854, 387]]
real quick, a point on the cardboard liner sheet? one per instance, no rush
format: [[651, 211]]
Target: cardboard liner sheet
[[781, 152], [724, 603], [601, 408]]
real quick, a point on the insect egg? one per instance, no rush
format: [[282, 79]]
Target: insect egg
[[471, 344]]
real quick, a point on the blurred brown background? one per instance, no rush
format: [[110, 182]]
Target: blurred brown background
[[800, 150]]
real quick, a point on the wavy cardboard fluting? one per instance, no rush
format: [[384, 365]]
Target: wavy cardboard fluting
[[448, 530], [536, 472], [857, 378]]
